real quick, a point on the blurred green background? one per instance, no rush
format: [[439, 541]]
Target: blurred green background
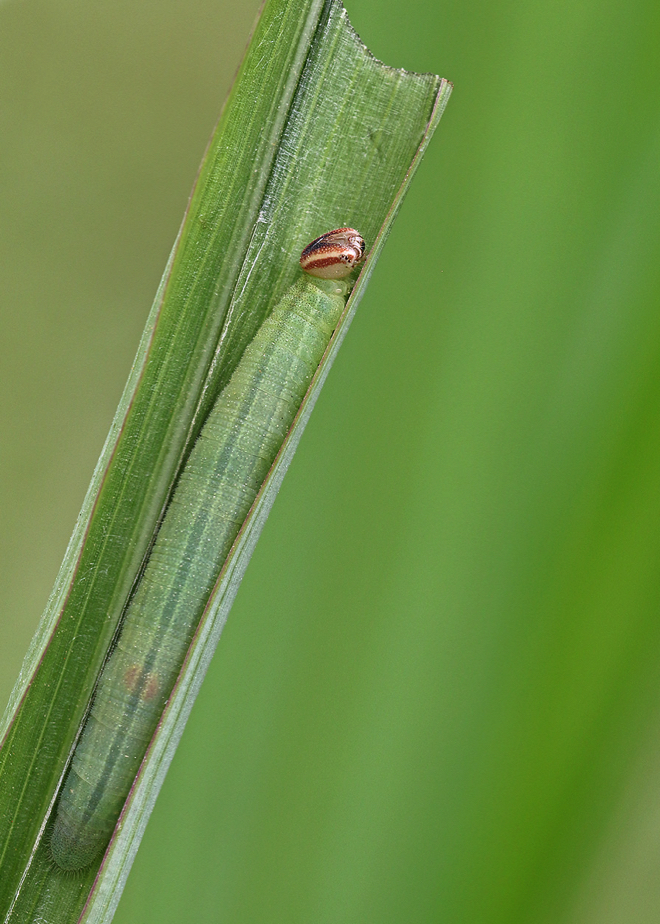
[[438, 694]]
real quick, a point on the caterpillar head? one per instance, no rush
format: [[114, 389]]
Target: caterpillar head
[[334, 254]]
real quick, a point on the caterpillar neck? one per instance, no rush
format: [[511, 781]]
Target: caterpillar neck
[[331, 286]]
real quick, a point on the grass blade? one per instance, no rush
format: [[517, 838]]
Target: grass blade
[[316, 133]]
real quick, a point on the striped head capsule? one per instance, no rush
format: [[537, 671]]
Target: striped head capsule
[[334, 254]]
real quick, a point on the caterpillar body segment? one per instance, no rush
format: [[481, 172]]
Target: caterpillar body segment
[[216, 489]]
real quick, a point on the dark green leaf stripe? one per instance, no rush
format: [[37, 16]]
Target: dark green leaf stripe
[[216, 489]]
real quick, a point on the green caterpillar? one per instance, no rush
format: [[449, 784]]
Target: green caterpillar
[[217, 487]]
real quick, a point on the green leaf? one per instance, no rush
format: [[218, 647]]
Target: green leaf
[[316, 133]]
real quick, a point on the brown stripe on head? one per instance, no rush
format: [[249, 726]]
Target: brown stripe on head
[[334, 254]]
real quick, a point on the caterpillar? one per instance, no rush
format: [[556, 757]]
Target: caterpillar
[[218, 485]]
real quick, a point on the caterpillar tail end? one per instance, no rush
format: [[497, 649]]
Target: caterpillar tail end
[[70, 850]]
